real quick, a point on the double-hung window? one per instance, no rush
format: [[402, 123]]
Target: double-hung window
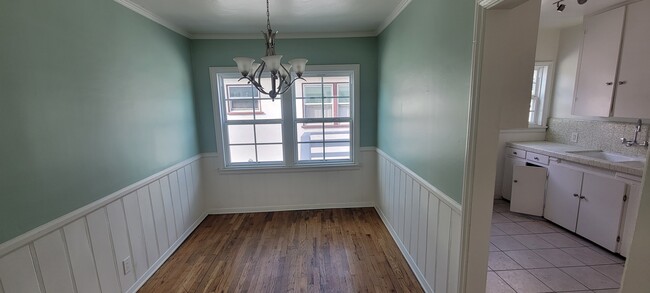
[[538, 98], [313, 124]]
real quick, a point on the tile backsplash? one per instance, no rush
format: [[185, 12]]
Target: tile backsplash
[[601, 135]]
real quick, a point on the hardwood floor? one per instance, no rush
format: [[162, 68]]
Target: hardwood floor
[[334, 250]]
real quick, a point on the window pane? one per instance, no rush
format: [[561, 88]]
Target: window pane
[[337, 151], [270, 109], [337, 132], [309, 132], [242, 153], [268, 133], [270, 153], [241, 134], [310, 151], [309, 108]]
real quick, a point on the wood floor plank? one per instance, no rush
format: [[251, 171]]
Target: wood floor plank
[[333, 250]]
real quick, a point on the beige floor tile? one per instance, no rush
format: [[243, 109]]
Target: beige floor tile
[[590, 278], [559, 240], [497, 285], [557, 280], [499, 261], [506, 243], [558, 258], [528, 259], [588, 256], [512, 228], [523, 281], [614, 272], [532, 241]]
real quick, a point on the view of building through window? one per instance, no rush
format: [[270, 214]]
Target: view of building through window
[[256, 132], [538, 95]]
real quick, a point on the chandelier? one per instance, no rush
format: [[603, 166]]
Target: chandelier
[[280, 73]]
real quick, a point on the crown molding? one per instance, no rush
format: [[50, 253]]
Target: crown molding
[[392, 16], [154, 17], [284, 36], [168, 24]]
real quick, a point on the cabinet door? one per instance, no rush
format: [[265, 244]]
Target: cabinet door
[[562, 195], [629, 220], [598, 63], [633, 88], [528, 184], [601, 206], [508, 164]]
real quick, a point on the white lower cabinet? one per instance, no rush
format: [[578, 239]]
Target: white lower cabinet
[[528, 184], [586, 203], [601, 206], [630, 214], [563, 195], [509, 163]]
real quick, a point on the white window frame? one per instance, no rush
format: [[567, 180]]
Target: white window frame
[[544, 95], [288, 120]]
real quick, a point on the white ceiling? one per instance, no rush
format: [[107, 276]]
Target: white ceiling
[[241, 18], [572, 14]]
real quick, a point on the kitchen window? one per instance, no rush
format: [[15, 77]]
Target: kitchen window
[[537, 112], [312, 125]]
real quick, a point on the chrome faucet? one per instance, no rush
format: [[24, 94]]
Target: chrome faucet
[[630, 143]]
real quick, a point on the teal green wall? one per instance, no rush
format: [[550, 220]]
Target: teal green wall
[[363, 51], [424, 89], [93, 97]]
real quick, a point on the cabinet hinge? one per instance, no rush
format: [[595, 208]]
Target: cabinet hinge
[[624, 198], [618, 239]]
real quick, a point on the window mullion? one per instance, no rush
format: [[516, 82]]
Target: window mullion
[[288, 128]]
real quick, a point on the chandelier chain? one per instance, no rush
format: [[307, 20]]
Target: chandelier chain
[[268, 16]]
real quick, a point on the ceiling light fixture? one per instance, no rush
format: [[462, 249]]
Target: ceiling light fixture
[[560, 7], [280, 73]]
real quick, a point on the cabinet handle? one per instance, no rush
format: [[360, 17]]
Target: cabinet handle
[[609, 83], [622, 82], [536, 158], [575, 195], [515, 181], [514, 153], [582, 197]]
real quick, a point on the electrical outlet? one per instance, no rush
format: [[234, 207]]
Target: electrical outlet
[[127, 265], [574, 137]]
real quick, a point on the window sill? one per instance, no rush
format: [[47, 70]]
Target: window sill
[[292, 169]]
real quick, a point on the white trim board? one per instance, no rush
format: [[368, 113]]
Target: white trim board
[[154, 17], [435, 191], [70, 217], [170, 25]]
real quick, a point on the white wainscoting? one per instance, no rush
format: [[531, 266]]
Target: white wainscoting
[[290, 189], [83, 250], [425, 223]]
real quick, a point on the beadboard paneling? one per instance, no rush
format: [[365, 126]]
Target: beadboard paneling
[[424, 222], [84, 250], [53, 262], [289, 189], [17, 272]]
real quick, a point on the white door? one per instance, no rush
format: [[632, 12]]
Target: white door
[[601, 207], [528, 184], [508, 164], [633, 87], [631, 213], [562, 195], [598, 62]]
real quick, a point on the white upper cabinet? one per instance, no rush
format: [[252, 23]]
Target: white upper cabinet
[[633, 87], [598, 63]]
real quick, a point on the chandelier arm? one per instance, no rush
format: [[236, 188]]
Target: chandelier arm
[[291, 83]]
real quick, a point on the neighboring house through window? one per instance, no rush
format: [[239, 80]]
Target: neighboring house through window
[[313, 124], [539, 96]]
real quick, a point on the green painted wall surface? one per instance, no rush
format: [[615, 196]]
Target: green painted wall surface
[[93, 97], [424, 90], [363, 51]]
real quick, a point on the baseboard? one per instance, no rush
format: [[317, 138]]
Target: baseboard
[[239, 210], [418, 274], [153, 269]]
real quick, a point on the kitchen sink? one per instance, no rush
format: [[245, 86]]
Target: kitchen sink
[[610, 157]]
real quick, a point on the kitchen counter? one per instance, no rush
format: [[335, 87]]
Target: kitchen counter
[[561, 151]]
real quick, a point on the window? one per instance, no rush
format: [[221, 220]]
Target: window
[[313, 124], [242, 98], [538, 100]]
